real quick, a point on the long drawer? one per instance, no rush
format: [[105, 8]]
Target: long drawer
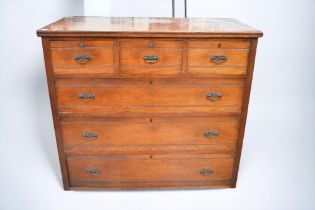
[[145, 131], [148, 170], [149, 94]]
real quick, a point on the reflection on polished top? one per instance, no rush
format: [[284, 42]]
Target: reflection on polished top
[[117, 26]]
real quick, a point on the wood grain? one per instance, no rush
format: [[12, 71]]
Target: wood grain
[[151, 131], [134, 111], [150, 43], [250, 71], [64, 57], [52, 97], [201, 57], [150, 169], [148, 81], [148, 27], [135, 57], [219, 44], [150, 71], [148, 149], [83, 43], [149, 95]]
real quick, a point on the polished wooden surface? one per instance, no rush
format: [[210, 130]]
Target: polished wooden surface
[[136, 26], [159, 171], [149, 95], [149, 168], [152, 131], [188, 57], [100, 57], [149, 118]]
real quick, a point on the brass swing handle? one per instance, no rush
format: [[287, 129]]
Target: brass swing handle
[[214, 96], [211, 134], [86, 96], [82, 59], [150, 59], [89, 135], [218, 59], [93, 171]]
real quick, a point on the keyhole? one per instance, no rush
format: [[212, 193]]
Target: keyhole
[[151, 157], [82, 44], [151, 82], [219, 45], [151, 120]]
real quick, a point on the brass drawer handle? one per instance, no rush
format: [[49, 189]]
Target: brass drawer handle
[[214, 96], [82, 59], [93, 171], [218, 59], [89, 135], [206, 171], [151, 58], [86, 96], [211, 134]]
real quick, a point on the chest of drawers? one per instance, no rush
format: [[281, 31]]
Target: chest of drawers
[[149, 103]]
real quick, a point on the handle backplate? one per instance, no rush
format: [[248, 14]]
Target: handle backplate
[[211, 134], [150, 59], [206, 171], [218, 59], [93, 171], [89, 135], [82, 59], [86, 96], [214, 96]]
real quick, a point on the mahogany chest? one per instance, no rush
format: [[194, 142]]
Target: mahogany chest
[[149, 103]]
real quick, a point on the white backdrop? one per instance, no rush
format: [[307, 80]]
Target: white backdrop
[[278, 160]]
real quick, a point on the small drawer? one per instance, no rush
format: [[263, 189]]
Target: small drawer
[[151, 131], [218, 62], [93, 57], [137, 170], [151, 57], [225, 58], [135, 57], [82, 57]]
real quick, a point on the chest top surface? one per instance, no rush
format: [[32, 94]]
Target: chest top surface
[[142, 27]]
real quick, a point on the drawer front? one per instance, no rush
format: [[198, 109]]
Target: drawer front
[[82, 57], [217, 57], [63, 57], [149, 95], [149, 168], [151, 131], [150, 57], [135, 57]]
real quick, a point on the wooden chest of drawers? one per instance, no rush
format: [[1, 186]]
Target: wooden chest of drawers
[[149, 103]]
